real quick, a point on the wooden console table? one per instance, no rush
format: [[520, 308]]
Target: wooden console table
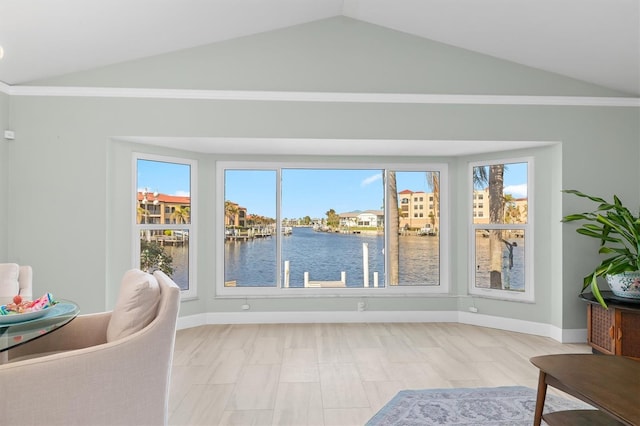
[[609, 383], [616, 330]]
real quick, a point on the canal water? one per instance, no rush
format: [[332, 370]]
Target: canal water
[[325, 255]]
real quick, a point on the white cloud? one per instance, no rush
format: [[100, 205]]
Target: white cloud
[[182, 193], [518, 191], [371, 179]]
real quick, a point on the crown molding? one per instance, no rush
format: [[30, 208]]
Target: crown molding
[[337, 97]]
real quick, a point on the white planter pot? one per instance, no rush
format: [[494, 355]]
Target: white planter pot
[[626, 284]]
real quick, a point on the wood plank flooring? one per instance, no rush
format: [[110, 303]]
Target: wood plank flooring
[[337, 374]]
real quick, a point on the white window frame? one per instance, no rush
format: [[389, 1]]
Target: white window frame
[[528, 296], [191, 227], [221, 290]]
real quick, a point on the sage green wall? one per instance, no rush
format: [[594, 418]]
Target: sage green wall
[[76, 172], [69, 209], [4, 164]]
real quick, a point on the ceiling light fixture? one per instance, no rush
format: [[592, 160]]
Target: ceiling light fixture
[[1, 52]]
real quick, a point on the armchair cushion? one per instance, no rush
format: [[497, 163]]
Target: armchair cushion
[[136, 305]]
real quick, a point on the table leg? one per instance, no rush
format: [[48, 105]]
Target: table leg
[[542, 394]]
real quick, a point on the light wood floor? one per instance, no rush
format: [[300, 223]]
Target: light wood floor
[[337, 374]]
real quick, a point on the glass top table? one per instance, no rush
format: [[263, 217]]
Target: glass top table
[[19, 332]]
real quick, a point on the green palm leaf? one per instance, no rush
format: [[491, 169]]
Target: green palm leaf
[[618, 231]]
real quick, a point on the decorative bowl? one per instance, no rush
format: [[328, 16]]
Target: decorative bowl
[[626, 284]]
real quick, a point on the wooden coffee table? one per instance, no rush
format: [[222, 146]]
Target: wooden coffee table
[[607, 382]]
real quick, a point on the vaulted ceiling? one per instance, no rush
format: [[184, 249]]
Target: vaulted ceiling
[[597, 41]]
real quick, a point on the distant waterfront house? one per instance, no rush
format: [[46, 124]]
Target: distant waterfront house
[[349, 219], [365, 219], [371, 218]]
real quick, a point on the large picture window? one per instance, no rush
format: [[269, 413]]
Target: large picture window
[[164, 218], [331, 229], [501, 229]]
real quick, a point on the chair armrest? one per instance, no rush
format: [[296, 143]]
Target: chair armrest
[[124, 382], [82, 332]]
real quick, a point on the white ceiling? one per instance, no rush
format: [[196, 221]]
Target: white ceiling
[[592, 40]]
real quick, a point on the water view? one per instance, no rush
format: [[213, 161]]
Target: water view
[[347, 209], [512, 261], [325, 255], [180, 256]]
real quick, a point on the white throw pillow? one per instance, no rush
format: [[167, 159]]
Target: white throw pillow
[[9, 286], [136, 306]]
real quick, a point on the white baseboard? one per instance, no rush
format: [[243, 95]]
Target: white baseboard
[[501, 323], [577, 335]]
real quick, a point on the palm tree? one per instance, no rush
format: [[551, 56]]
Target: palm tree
[[393, 251], [230, 212], [181, 214], [142, 213], [480, 177], [493, 176], [433, 181], [511, 210], [496, 215]]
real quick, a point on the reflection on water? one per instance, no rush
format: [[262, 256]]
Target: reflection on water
[[180, 255], [325, 255], [419, 260]]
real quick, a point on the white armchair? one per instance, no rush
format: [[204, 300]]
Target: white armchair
[[15, 279], [110, 368]]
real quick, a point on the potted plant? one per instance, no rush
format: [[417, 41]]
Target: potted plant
[[619, 233]]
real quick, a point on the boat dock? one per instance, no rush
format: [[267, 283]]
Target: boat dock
[[236, 235], [170, 240], [326, 284]]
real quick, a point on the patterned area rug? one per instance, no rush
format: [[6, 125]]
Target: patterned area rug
[[507, 405]]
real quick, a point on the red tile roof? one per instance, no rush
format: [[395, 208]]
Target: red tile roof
[[164, 198]]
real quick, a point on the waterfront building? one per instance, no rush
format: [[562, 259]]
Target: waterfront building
[[156, 208], [515, 210], [349, 220], [235, 215], [481, 206], [365, 219], [371, 218], [418, 210]]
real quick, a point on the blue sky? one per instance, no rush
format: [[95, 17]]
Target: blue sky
[[305, 192], [166, 178]]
